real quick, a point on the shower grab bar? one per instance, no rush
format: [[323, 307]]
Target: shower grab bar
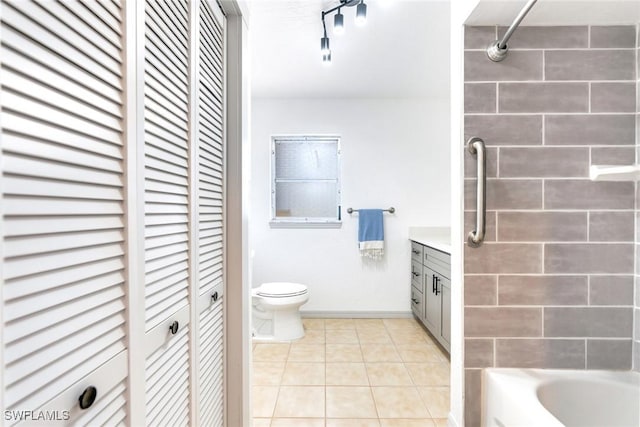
[[475, 237], [497, 50]]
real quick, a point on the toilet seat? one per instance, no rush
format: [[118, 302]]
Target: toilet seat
[[281, 290]]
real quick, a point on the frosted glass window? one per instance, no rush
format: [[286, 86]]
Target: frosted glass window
[[306, 179]]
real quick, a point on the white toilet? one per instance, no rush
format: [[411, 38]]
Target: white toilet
[[279, 303]]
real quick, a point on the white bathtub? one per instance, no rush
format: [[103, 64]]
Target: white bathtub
[[556, 397]]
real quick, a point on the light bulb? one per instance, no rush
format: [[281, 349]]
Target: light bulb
[[361, 14], [326, 59], [324, 45], [338, 24]]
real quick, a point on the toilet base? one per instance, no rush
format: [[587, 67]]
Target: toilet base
[[287, 325], [284, 327]]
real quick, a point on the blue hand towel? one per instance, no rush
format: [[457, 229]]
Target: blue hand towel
[[371, 233]]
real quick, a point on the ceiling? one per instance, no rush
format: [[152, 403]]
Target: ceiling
[[557, 12], [401, 52]]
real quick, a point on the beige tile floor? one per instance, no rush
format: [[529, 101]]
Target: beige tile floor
[[352, 373]]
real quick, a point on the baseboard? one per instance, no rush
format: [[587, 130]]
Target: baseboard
[[451, 421], [357, 314]]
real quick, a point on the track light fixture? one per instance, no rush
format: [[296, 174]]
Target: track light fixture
[[338, 24]]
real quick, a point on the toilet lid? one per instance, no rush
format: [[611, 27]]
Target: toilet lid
[[281, 289]]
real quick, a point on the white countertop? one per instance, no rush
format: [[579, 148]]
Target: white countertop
[[436, 237]]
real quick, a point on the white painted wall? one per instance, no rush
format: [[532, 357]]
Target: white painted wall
[[395, 152]]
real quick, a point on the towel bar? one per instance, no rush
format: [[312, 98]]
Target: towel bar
[[390, 210]]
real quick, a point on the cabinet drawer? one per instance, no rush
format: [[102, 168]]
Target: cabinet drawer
[[417, 305], [431, 254], [416, 251], [439, 262], [416, 275]]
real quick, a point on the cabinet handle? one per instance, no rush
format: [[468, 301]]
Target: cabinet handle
[[87, 397], [415, 251], [415, 274], [214, 297], [174, 327], [435, 290], [415, 301]]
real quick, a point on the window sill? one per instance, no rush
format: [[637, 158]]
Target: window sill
[[304, 224]]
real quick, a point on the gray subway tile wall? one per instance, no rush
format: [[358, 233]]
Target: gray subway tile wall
[[544, 162], [533, 353], [613, 97], [613, 36], [611, 290], [589, 129], [588, 258], [593, 322], [509, 130], [609, 354], [481, 290], [612, 155], [605, 64], [585, 194], [611, 226], [551, 97], [481, 97], [553, 284], [525, 226], [542, 290], [478, 352]]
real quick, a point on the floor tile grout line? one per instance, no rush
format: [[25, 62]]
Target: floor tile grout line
[[395, 344]]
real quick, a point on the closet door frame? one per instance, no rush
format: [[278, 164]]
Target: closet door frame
[[134, 72], [237, 286]]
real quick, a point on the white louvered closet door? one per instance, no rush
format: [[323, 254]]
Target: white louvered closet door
[[166, 206], [63, 308], [210, 215]]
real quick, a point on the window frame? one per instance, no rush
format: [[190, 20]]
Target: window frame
[[306, 222]]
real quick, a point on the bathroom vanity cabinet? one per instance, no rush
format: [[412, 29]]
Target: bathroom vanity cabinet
[[431, 290]]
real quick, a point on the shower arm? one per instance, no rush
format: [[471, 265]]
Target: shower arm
[[497, 51]]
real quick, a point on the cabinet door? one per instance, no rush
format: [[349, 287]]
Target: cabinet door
[[210, 185], [432, 300], [167, 192], [63, 306], [446, 311]]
